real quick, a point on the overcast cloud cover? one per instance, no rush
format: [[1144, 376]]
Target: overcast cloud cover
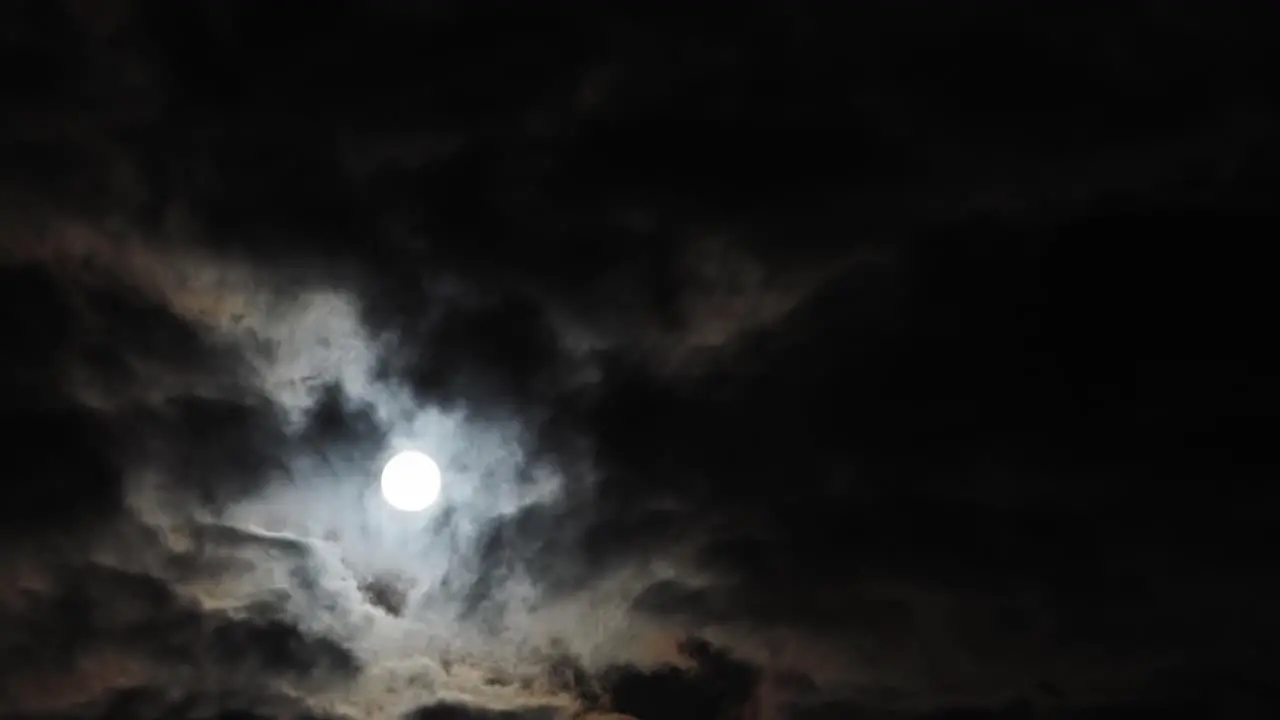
[[900, 363]]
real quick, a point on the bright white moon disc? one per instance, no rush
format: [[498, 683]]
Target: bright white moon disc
[[411, 481]]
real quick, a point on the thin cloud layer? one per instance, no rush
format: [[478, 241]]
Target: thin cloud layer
[[779, 366]]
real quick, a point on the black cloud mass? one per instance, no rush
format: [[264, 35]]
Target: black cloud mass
[[783, 360]]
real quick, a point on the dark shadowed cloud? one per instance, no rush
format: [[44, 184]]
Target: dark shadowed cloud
[[903, 362]]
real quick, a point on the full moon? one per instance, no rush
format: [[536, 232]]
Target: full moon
[[411, 481]]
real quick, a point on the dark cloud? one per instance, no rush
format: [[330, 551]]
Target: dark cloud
[[898, 363], [84, 637]]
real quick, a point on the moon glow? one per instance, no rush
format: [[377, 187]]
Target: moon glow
[[411, 481]]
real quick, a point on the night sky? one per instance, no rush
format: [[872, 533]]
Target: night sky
[[784, 360]]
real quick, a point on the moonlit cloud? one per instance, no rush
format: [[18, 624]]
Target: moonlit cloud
[[778, 365]]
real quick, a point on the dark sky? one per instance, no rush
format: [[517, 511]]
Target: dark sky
[[907, 362]]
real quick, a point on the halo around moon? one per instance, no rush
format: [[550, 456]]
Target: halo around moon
[[411, 481]]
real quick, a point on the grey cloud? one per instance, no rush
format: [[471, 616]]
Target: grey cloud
[[85, 634], [254, 525], [597, 334]]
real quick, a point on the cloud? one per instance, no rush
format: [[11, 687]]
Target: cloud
[[234, 516], [90, 624], [760, 390]]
